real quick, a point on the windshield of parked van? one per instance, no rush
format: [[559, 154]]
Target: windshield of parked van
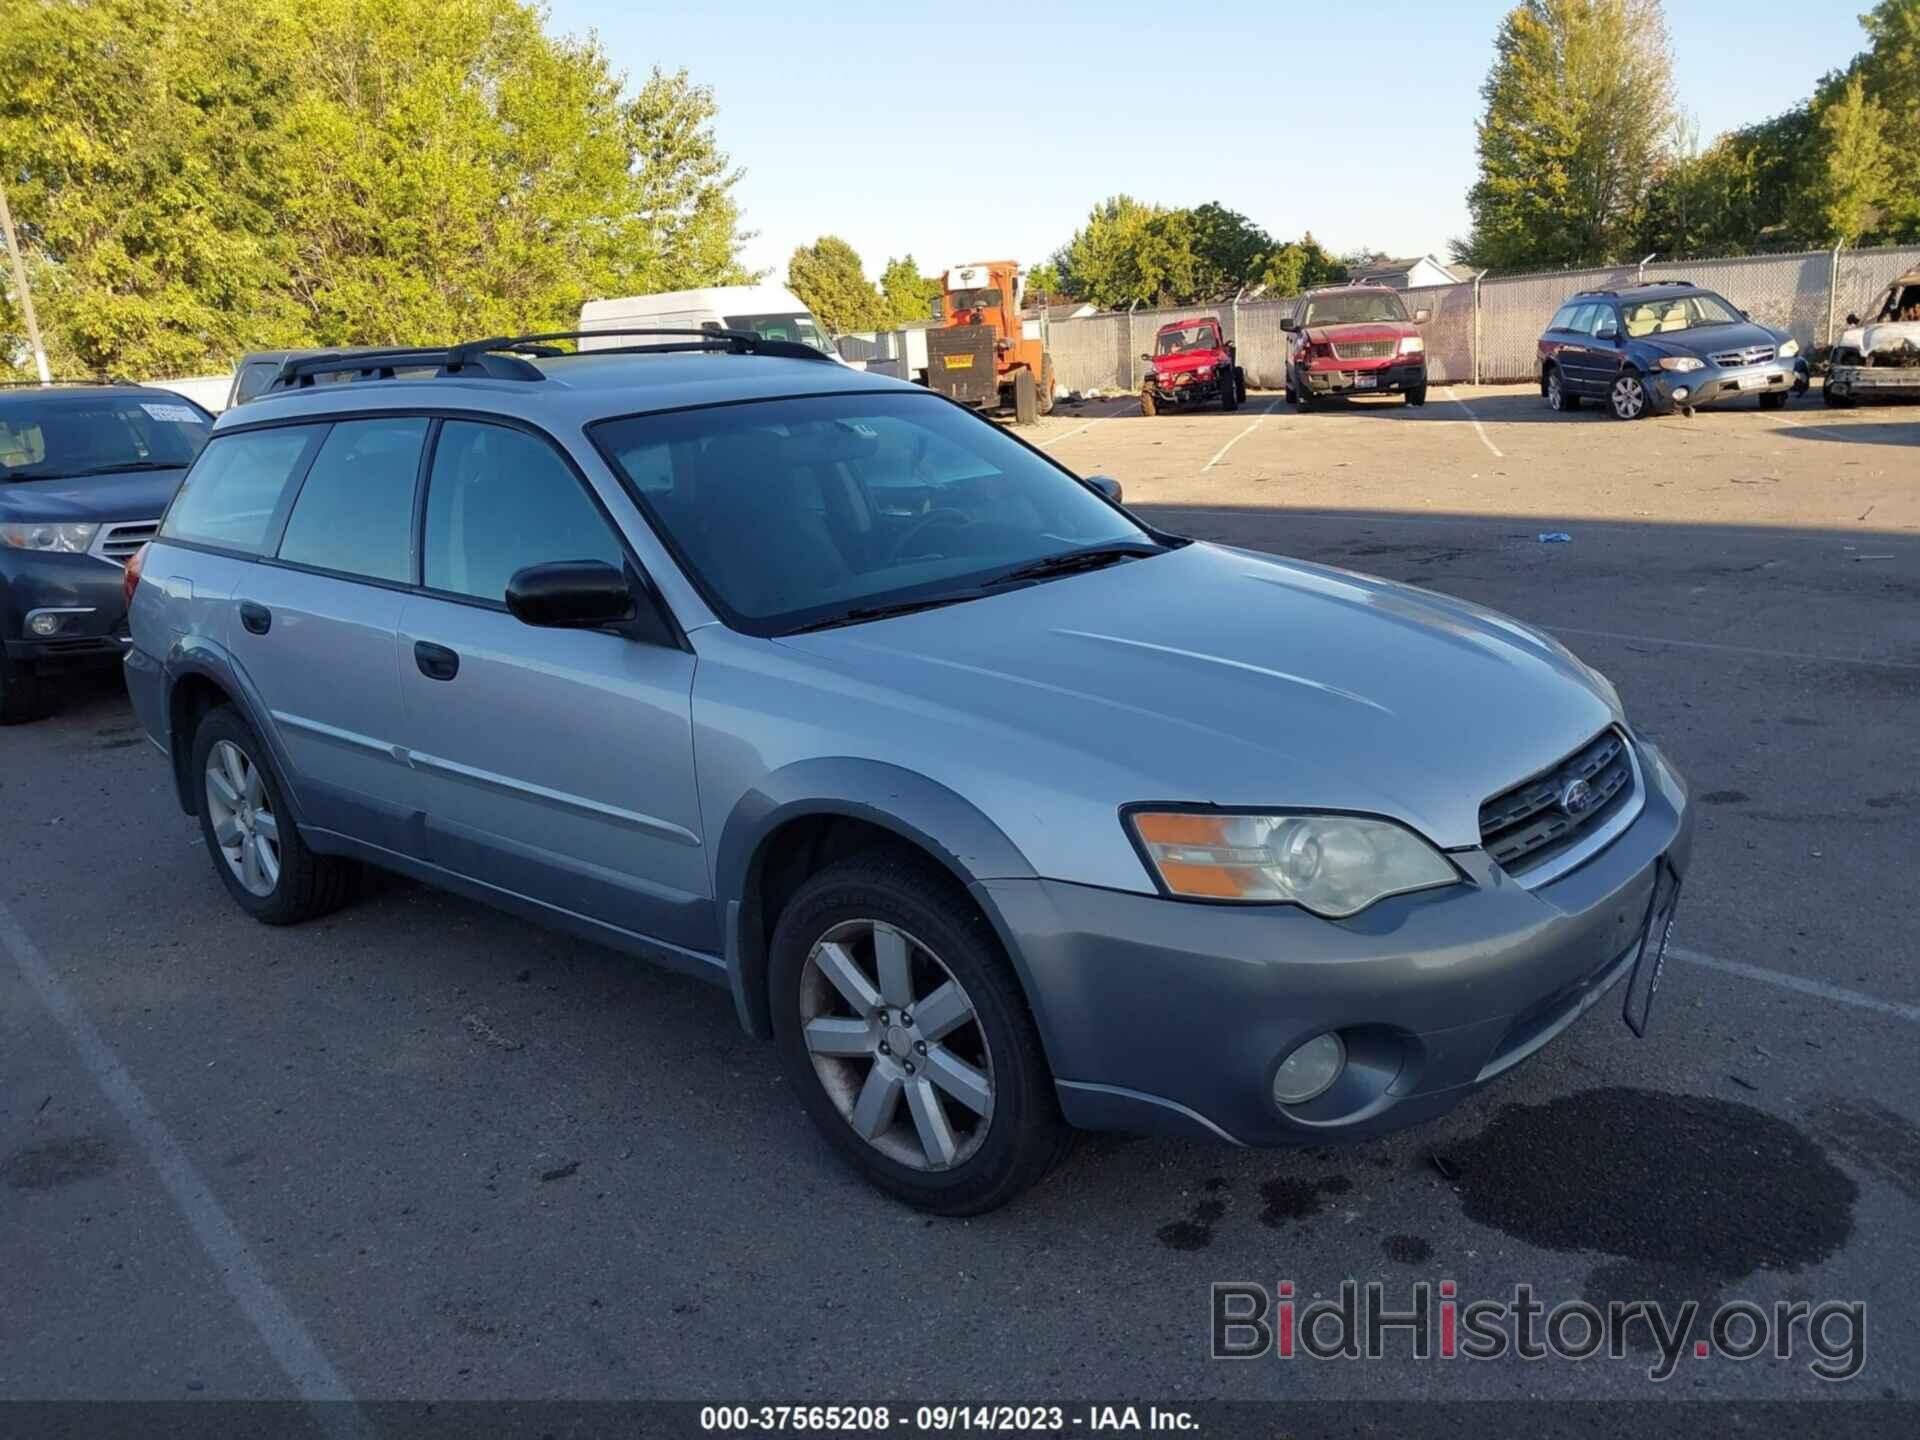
[[791, 514], [69, 434], [1683, 312], [801, 327], [1193, 337], [1353, 307]]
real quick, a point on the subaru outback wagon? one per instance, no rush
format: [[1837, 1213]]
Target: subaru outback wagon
[[999, 809]]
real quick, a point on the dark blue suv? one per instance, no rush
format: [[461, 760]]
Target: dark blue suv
[[1661, 348], [86, 471]]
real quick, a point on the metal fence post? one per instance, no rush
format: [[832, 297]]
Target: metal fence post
[[1476, 325], [1833, 291]]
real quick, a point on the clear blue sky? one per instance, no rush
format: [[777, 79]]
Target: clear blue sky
[[911, 128]]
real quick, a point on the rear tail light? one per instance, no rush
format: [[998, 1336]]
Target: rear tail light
[[131, 580]]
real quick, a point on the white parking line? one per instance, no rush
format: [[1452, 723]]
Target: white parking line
[[1478, 428], [1819, 989], [1078, 429], [1265, 415], [286, 1339]]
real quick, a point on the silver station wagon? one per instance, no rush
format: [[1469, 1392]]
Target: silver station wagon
[[999, 810]]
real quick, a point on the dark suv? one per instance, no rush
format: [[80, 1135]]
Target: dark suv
[[1661, 348], [86, 471]]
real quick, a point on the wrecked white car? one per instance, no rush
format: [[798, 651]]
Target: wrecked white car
[[1880, 358]]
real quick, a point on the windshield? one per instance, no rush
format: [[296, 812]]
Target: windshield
[[787, 513], [1684, 312], [802, 327], [1353, 307], [58, 435], [1192, 337], [981, 299]]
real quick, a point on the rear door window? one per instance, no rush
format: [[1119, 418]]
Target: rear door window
[[354, 513], [234, 493], [255, 376], [500, 499], [1564, 320]]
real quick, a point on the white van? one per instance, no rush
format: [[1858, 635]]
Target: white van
[[768, 310]]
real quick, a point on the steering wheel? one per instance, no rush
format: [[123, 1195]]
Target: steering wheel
[[932, 520]]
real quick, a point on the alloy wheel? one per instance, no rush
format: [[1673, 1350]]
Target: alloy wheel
[[244, 825], [1556, 398], [1629, 397], [897, 1044]]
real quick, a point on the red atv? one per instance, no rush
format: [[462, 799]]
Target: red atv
[[1191, 365]]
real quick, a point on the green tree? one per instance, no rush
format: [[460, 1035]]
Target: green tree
[[830, 281], [909, 295], [195, 181], [1890, 70], [1044, 282], [1849, 175], [1300, 265], [1578, 100], [1130, 252], [1230, 251]]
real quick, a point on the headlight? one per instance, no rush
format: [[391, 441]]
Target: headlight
[[1333, 865], [1788, 349], [64, 539], [1412, 345], [1203, 371], [1681, 362]]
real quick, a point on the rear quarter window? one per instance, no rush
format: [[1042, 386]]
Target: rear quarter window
[[233, 494]]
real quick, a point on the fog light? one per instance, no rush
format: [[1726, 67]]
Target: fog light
[[1680, 393], [1310, 1070], [44, 624]]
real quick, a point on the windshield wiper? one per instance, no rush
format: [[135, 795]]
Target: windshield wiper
[[1094, 557], [120, 469], [860, 614]]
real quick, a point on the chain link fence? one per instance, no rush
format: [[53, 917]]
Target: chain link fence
[[1488, 332]]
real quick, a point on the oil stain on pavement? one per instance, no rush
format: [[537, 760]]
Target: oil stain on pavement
[[1665, 1185], [57, 1161]]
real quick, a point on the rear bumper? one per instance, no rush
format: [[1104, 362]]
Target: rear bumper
[[1168, 1017], [1351, 380]]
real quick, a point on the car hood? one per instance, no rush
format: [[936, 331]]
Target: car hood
[[1187, 361], [1362, 330], [1227, 677], [140, 495], [1886, 335], [1712, 339]]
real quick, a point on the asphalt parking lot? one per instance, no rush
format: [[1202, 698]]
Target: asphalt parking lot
[[422, 1150]]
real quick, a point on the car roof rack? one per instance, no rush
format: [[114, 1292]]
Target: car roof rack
[[1640, 285], [56, 383], [506, 357]]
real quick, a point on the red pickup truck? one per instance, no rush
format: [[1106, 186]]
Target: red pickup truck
[[1355, 340], [1191, 365]]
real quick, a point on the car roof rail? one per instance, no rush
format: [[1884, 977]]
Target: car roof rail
[[506, 357], [57, 382]]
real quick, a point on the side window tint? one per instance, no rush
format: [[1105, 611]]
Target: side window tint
[[498, 500], [1564, 319], [1606, 325], [355, 509], [255, 378], [230, 496]]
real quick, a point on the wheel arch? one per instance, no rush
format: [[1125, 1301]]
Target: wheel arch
[[799, 819], [200, 677]]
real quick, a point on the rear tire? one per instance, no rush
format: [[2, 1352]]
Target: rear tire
[[1558, 397], [836, 1051], [1026, 398], [22, 696], [1839, 402], [1229, 392], [282, 882]]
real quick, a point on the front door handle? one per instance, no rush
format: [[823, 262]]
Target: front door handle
[[436, 662], [257, 618]]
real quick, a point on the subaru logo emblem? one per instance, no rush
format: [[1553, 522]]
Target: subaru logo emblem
[[1577, 798]]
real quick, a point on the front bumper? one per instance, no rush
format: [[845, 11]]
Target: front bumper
[[1873, 381], [1716, 386], [1387, 379], [87, 594], [1170, 1017], [1200, 391]]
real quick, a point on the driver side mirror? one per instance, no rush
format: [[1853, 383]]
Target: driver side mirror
[[570, 595], [1146, 357], [1853, 319], [1290, 325], [1106, 485]]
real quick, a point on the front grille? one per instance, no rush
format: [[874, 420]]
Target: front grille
[[1752, 355], [118, 542], [1538, 818], [1363, 349]]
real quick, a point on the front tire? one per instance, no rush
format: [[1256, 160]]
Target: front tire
[[1147, 406], [1774, 402], [1229, 392], [905, 1033], [1628, 397], [1026, 398], [22, 697], [250, 832], [1417, 395], [1838, 402]]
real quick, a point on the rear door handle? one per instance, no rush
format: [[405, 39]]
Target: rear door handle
[[257, 618], [436, 662]]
